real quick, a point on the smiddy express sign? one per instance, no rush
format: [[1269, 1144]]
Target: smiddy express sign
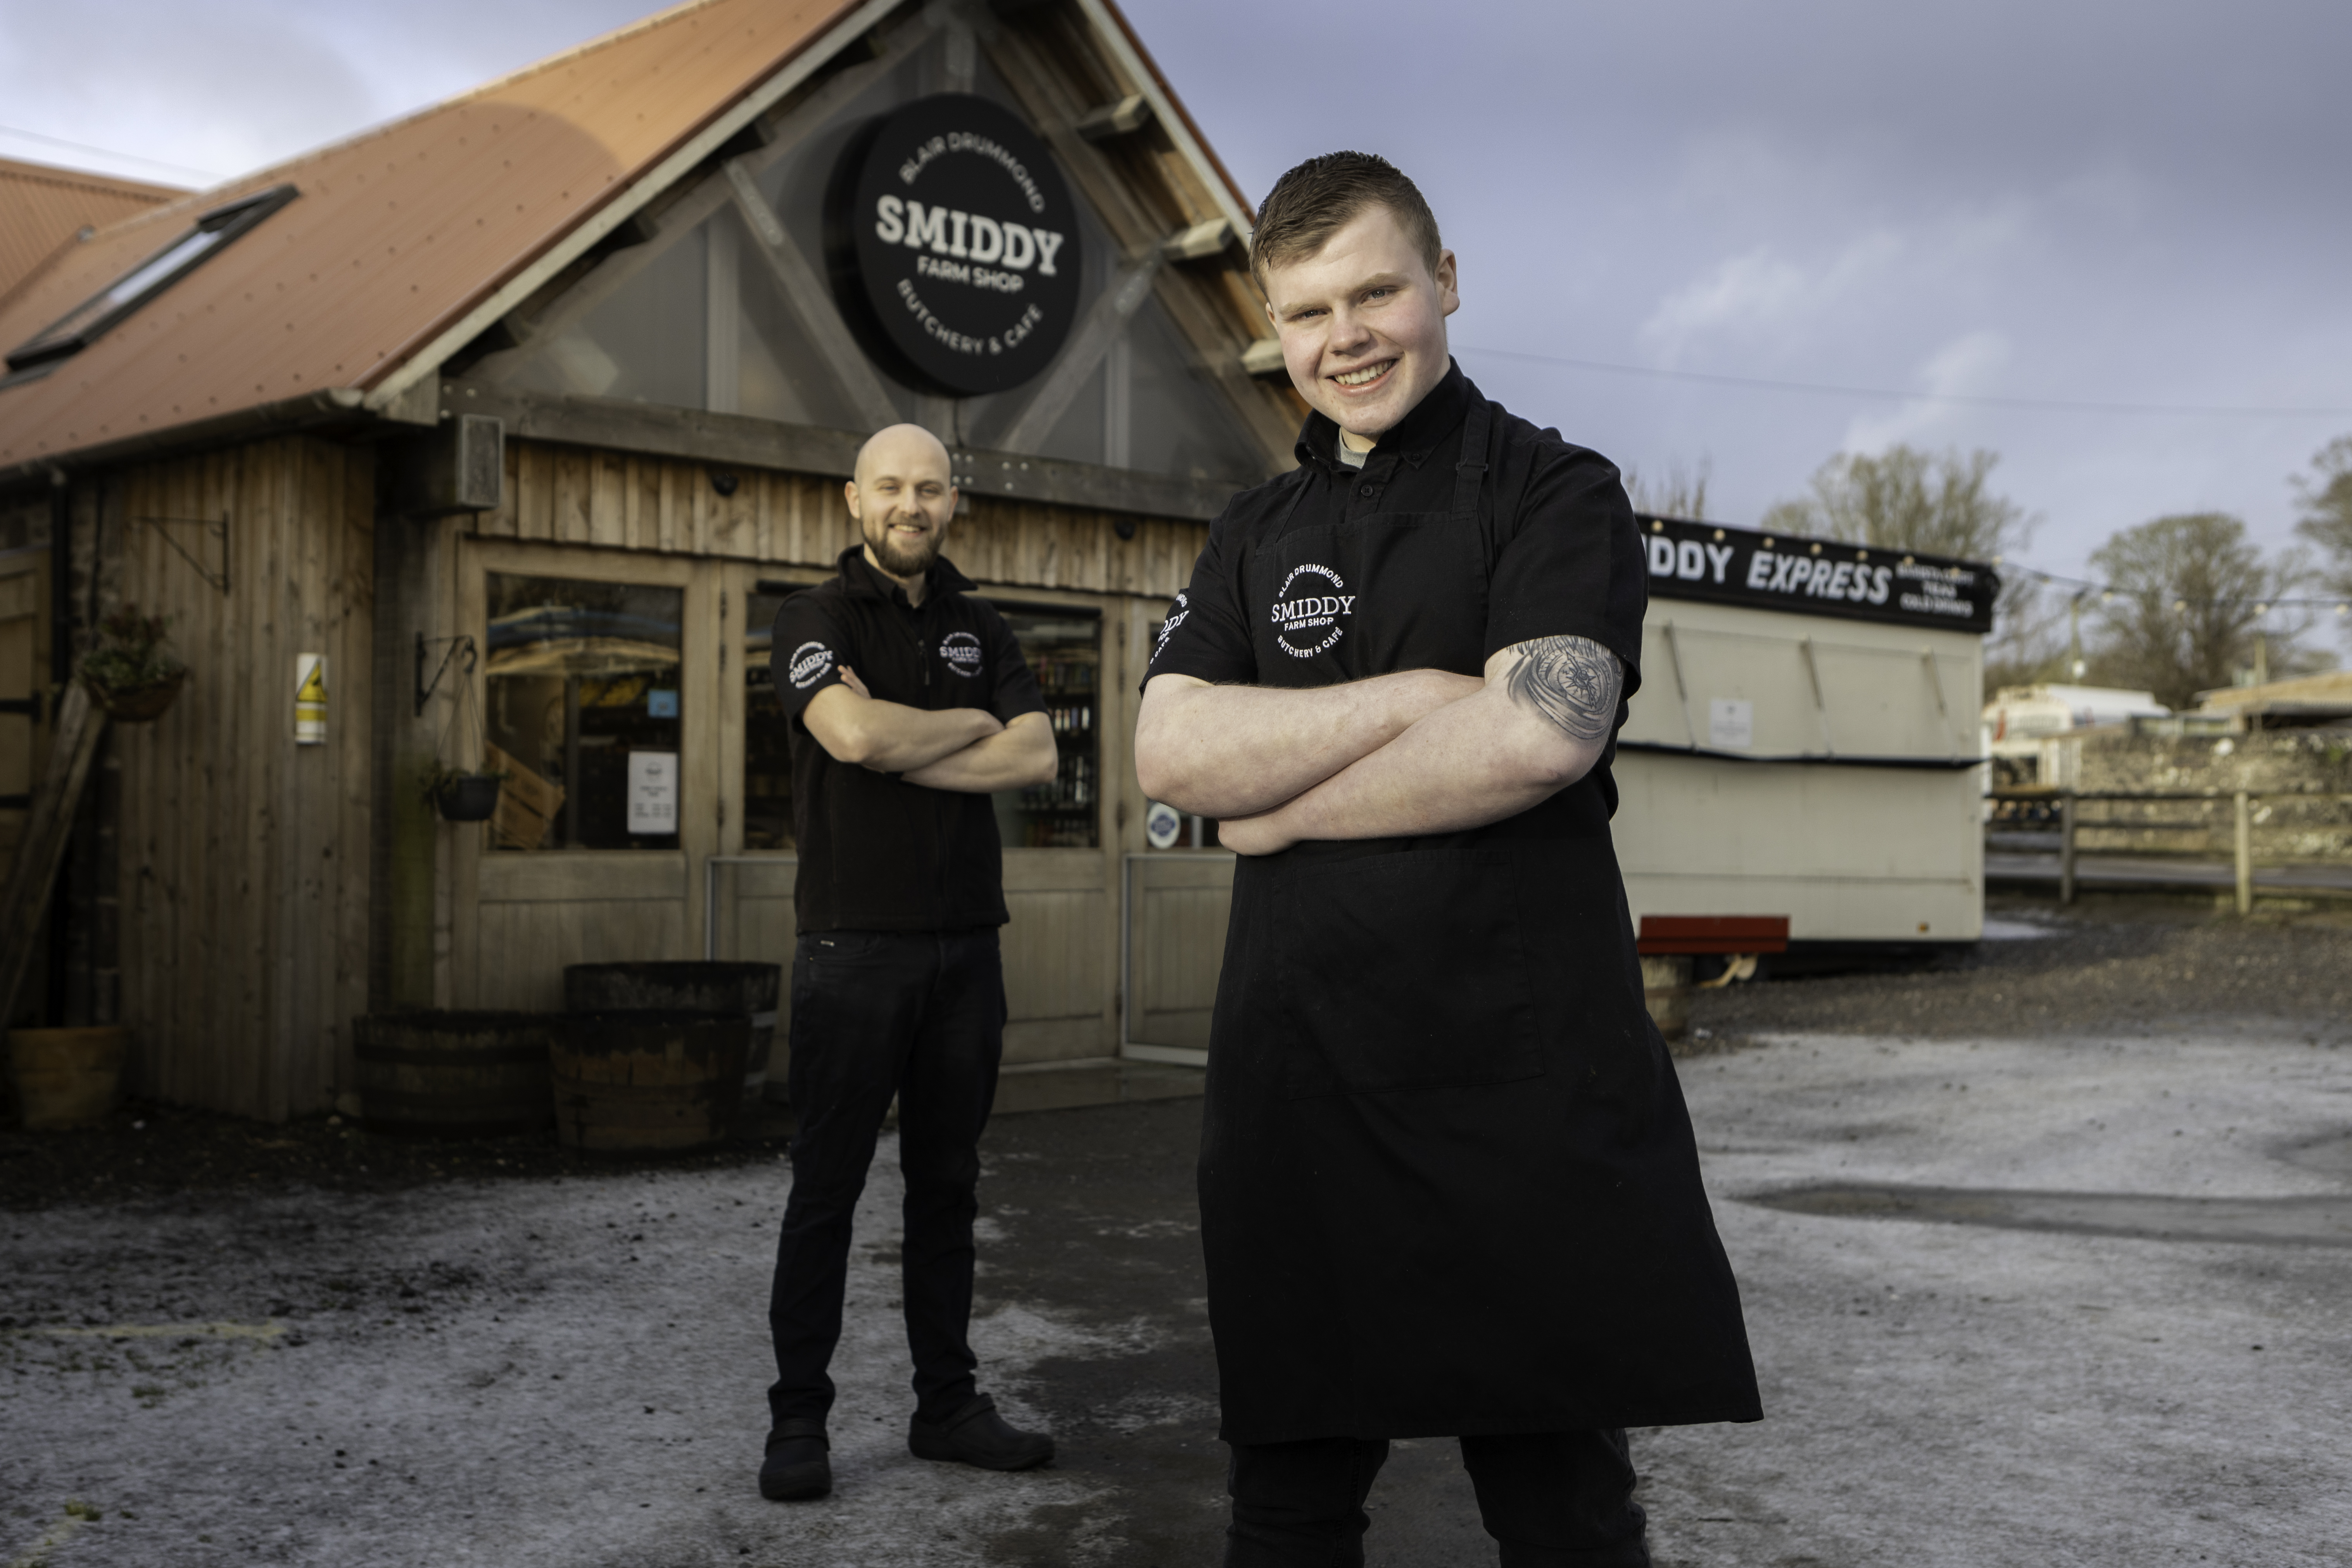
[[954, 246], [1816, 577]]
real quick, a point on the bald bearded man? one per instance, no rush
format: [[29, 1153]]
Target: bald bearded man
[[909, 703]]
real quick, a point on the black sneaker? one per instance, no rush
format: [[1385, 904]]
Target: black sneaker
[[796, 1468], [977, 1434]]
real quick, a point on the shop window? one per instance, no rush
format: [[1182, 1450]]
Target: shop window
[[1178, 420], [767, 736], [581, 703], [1064, 647]]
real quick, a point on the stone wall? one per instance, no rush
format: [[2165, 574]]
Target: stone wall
[[2271, 764]]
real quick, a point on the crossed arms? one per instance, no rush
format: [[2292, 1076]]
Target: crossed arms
[[962, 749], [1419, 752]]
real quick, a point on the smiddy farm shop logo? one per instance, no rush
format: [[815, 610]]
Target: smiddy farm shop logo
[[1309, 610], [954, 246]]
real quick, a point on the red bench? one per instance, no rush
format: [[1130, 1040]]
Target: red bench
[[1665, 934]]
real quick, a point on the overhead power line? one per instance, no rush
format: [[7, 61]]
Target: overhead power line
[[2084, 589], [105, 152], [1816, 389]]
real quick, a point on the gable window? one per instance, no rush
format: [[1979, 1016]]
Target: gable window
[[89, 320]]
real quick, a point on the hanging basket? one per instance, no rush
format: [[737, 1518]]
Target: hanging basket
[[472, 798], [138, 704]]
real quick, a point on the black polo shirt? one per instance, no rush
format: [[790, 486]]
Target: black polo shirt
[[1558, 553], [878, 853]]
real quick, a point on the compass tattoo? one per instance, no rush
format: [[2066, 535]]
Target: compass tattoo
[[1572, 681]]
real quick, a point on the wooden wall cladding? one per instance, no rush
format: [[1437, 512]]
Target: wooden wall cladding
[[577, 494], [243, 857]]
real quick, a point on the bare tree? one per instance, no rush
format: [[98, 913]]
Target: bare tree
[[1904, 499], [2326, 497], [1681, 494], [2189, 603], [1938, 504]]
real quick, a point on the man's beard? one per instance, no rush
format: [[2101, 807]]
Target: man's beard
[[904, 560]]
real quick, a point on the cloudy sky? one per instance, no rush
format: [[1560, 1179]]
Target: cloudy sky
[[2138, 204]]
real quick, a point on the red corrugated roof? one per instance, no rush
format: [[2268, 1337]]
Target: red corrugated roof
[[398, 234], [43, 207]]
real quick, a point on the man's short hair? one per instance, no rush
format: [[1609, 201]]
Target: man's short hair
[[1323, 195]]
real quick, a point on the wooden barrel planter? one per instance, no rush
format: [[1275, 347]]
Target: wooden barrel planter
[[640, 1082], [453, 1075], [749, 989], [67, 1078]]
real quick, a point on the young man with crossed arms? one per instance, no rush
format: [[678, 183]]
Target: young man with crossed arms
[[1448, 1185]]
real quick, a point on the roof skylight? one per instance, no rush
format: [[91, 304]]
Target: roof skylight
[[86, 322]]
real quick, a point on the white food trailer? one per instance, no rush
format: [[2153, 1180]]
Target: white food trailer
[[1805, 742]]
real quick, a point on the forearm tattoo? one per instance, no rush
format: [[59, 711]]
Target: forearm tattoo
[[1572, 681]]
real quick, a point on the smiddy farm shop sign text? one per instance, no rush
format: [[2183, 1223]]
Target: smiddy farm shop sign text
[[954, 246]]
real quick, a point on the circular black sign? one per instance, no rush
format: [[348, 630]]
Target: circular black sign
[[953, 244]]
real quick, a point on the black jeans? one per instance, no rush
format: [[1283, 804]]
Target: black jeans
[[920, 1015], [1551, 1500]]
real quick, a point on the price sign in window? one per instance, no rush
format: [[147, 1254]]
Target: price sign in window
[[580, 697], [653, 792]]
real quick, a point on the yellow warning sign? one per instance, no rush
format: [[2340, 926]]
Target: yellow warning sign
[[310, 699]]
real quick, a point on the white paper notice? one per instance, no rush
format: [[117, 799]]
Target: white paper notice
[[653, 792], [1730, 722]]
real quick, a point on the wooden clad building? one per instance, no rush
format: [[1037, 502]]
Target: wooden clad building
[[509, 425]]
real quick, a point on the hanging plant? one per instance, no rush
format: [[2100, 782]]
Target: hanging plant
[[131, 671], [462, 794], [465, 794]]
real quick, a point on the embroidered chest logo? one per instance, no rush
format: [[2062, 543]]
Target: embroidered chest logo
[[809, 663], [1311, 623], [962, 650], [1177, 613]]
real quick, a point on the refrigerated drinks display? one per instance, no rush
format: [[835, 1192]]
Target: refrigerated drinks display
[[1063, 647]]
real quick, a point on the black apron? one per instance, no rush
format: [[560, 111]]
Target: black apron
[[1448, 1182]]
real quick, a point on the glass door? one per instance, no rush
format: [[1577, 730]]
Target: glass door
[[1062, 644]]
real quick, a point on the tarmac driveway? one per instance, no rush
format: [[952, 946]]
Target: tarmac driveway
[[570, 1372]]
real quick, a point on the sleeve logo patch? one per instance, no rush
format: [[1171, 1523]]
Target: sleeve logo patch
[[1309, 624], [809, 662], [1177, 614], [962, 651]]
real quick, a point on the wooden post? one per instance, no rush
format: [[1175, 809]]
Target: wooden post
[[2245, 855], [2066, 847]]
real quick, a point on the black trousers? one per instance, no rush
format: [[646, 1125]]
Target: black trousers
[[920, 1015], [1551, 1500]]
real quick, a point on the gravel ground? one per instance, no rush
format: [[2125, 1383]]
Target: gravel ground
[[2128, 963], [1987, 1331]]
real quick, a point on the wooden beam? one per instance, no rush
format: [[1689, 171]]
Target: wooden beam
[[1216, 324], [1112, 120], [805, 295], [42, 849], [1213, 237], [1113, 310], [736, 440]]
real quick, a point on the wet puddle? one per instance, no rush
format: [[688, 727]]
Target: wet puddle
[[2315, 1221]]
